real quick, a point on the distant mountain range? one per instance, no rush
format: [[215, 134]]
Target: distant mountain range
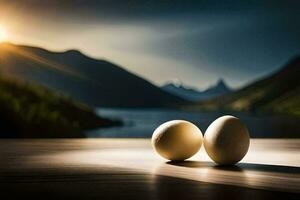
[[95, 82], [191, 94], [278, 92]]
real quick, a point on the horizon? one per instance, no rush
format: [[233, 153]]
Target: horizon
[[196, 43], [174, 81], [154, 99]]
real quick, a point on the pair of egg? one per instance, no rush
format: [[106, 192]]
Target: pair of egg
[[226, 140]]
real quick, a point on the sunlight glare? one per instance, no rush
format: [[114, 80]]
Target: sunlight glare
[[2, 34]]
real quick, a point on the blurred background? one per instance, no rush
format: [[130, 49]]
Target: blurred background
[[121, 68]]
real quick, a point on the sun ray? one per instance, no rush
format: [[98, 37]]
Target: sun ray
[[2, 34], [45, 62]]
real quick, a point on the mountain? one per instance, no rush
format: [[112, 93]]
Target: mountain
[[95, 82], [279, 92], [28, 110], [191, 94]]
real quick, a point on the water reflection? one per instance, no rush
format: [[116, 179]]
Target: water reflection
[[141, 123]]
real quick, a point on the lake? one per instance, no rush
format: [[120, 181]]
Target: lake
[[140, 123]]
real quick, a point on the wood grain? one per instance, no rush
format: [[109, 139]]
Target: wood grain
[[130, 169]]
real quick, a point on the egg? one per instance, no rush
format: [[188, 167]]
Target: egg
[[177, 140], [226, 140]]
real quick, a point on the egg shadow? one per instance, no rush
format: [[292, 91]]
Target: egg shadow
[[167, 186], [190, 164], [239, 167]]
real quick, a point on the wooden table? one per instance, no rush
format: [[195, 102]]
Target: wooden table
[[129, 169]]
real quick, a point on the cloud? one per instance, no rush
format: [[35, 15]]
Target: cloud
[[194, 41]]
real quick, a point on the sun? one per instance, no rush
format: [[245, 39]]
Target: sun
[[2, 34]]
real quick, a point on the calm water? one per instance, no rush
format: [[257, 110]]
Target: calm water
[[141, 123]]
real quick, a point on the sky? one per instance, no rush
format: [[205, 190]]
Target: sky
[[194, 42]]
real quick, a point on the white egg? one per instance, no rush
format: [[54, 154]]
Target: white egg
[[226, 140], [177, 140]]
